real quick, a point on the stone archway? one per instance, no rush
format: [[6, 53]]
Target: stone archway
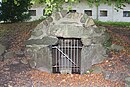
[[72, 25]]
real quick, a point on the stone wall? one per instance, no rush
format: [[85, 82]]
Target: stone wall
[[72, 25]]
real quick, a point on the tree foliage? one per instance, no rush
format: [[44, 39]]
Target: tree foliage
[[119, 4], [14, 10], [51, 5]]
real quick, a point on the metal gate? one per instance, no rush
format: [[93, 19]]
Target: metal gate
[[66, 56]]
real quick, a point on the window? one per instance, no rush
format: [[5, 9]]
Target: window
[[126, 13], [88, 12], [32, 12], [103, 13], [43, 12], [72, 11]]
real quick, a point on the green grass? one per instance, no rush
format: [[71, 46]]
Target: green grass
[[119, 24]]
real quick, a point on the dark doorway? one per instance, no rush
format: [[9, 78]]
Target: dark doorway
[[66, 56]]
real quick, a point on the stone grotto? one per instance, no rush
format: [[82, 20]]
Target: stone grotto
[[66, 43]]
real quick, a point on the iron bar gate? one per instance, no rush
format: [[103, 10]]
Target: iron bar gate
[[66, 55]]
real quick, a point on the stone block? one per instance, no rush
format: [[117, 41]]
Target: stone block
[[37, 33], [127, 82], [86, 41], [32, 63], [20, 54], [49, 19], [9, 55], [88, 32], [2, 49], [97, 69], [63, 13], [66, 31], [56, 16], [45, 23], [114, 76], [84, 18], [91, 55], [101, 39], [116, 47], [47, 40], [1, 58], [89, 22], [86, 62], [24, 61], [44, 69]]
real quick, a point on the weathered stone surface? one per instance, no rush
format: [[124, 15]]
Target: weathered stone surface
[[2, 49], [108, 75], [37, 33], [116, 47], [20, 54], [97, 69], [86, 62], [106, 35], [9, 55], [49, 19], [98, 51], [44, 69], [24, 61], [91, 55], [39, 26], [1, 58], [45, 54], [101, 39], [86, 41], [32, 63], [45, 23], [88, 32], [57, 16], [89, 23], [127, 82], [63, 13], [66, 31], [4, 41], [72, 25], [69, 16], [40, 58], [48, 40], [84, 18]]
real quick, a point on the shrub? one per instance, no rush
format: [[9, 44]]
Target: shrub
[[14, 10]]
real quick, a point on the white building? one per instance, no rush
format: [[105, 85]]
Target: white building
[[103, 13]]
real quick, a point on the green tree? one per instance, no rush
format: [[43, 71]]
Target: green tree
[[50, 5], [53, 5], [14, 10]]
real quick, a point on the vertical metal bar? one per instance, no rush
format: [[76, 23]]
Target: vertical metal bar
[[59, 58], [77, 55], [71, 54], [62, 56], [74, 55], [68, 56], [56, 59]]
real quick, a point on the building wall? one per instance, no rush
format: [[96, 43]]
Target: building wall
[[118, 16], [39, 13], [112, 15]]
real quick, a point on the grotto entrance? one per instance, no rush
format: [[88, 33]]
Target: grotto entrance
[[66, 56], [80, 47]]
